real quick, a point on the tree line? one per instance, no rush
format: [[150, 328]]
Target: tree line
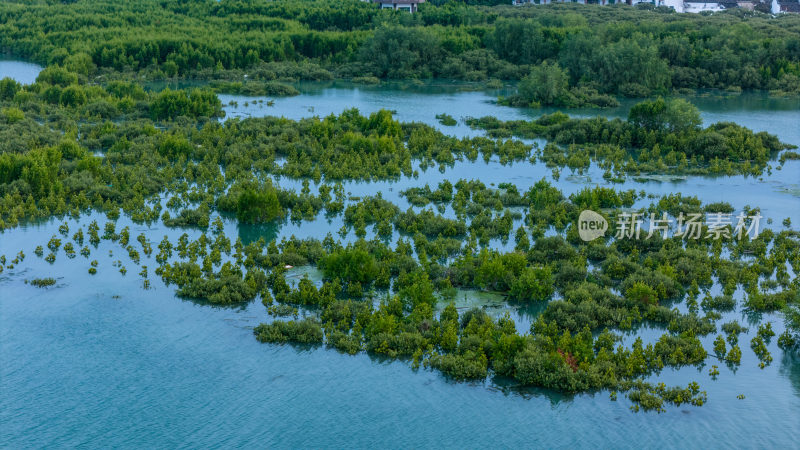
[[592, 51]]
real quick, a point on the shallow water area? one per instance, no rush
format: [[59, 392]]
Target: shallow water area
[[776, 193], [99, 349], [19, 71], [98, 361]]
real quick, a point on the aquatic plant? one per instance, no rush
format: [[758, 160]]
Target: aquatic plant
[[42, 282], [446, 120]]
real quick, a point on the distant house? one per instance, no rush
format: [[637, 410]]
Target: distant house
[[677, 5], [689, 6], [400, 5], [582, 2], [696, 6], [785, 6]]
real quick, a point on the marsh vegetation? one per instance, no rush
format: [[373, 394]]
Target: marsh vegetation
[[86, 139]]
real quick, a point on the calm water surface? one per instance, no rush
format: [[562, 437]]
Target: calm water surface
[[22, 72], [97, 361], [777, 194]]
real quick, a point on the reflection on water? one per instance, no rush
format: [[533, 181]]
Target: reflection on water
[[252, 232], [790, 368], [294, 274]]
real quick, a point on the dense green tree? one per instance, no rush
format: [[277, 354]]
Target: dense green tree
[[674, 115], [521, 41], [533, 284], [400, 52], [547, 84], [8, 89], [258, 205], [170, 104], [629, 51]]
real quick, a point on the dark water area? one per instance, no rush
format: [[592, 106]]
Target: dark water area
[[98, 361]]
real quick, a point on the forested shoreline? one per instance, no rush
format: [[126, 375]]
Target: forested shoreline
[[573, 53]]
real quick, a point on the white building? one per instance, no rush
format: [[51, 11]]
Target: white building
[[400, 5], [785, 6], [581, 2], [696, 6], [688, 6], [677, 5]]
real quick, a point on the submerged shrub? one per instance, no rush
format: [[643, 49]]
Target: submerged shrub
[[42, 282], [306, 331]]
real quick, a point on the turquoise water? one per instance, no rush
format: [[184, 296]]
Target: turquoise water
[[777, 194], [97, 361]]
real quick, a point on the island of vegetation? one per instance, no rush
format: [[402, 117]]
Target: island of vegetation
[[88, 139]]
